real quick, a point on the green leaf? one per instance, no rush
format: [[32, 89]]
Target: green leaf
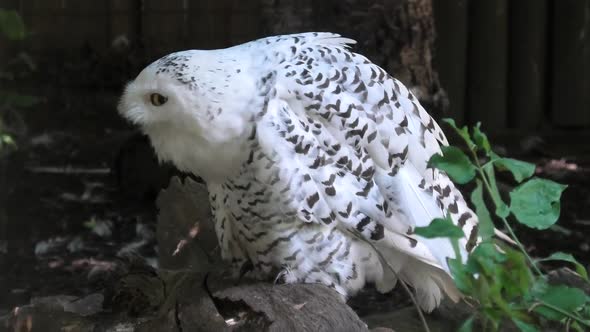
[[575, 326], [566, 298], [13, 99], [7, 139], [463, 279], [440, 227], [515, 275], [520, 169], [485, 226], [12, 25], [467, 326], [502, 209], [455, 163], [90, 224], [524, 327], [562, 256], [481, 139], [535, 203], [462, 131], [485, 259], [451, 122]]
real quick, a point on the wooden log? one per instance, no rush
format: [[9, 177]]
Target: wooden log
[[487, 63]]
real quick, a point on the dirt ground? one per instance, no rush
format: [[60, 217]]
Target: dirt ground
[[80, 189]]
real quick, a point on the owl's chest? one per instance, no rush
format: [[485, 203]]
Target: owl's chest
[[277, 243], [254, 212]]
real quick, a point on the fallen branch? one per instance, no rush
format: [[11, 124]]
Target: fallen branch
[[68, 170]]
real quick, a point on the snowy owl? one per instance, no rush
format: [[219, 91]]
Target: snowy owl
[[315, 160]]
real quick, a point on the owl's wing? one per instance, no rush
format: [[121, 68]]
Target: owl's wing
[[353, 145]]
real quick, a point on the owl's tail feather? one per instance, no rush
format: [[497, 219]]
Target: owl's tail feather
[[430, 283], [421, 262]]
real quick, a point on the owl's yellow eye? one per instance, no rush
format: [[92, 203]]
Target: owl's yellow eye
[[157, 99]]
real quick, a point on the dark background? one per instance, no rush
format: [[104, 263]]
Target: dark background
[[511, 64], [79, 188]]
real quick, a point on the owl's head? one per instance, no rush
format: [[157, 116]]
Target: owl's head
[[155, 99], [189, 111]]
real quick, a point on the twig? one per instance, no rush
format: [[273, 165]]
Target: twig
[[564, 312], [68, 170]]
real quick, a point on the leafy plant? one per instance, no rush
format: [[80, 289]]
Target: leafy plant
[[12, 25], [507, 283], [13, 28]]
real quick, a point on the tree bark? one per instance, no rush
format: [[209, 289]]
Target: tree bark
[[398, 35]]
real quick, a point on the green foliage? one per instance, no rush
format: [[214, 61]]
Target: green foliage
[[455, 163], [502, 209], [464, 133], [486, 226], [12, 25], [558, 302], [481, 139], [535, 203], [6, 141], [506, 282], [467, 325], [440, 227], [520, 170], [16, 100], [561, 256], [13, 28]]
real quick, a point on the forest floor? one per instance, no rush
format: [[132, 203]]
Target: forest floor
[[79, 192]]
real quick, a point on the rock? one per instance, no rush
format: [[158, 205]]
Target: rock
[[85, 306], [54, 313], [165, 322]]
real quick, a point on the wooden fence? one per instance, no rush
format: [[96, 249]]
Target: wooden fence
[[162, 26], [521, 64]]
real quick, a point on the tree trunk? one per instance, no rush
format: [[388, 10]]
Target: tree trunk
[[398, 35]]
